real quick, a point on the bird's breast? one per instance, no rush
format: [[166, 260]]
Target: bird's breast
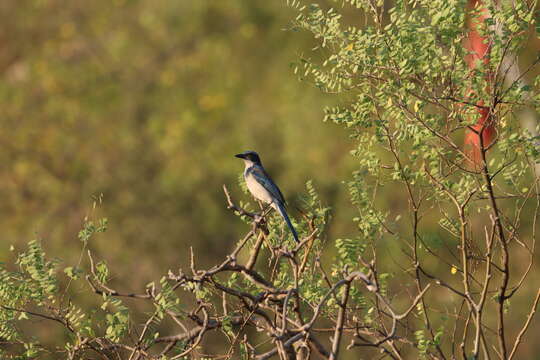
[[256, 189]]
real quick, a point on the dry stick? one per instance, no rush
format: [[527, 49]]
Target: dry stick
[[380, 312], [253, 258], [198, 339], [137, 351], [310, 242], [114, 346], [242, 296], [480, 306], [174, 317], [525, 326], [395, 317], [284, 312], [36, 314], [505, 256], [254, 277], [453, 341], [193, 333], [464, 338], [340, 322], [237, 336], [167, 348], [320, 348], [463, 250], [232, 206], [107, 290], [307, 327]]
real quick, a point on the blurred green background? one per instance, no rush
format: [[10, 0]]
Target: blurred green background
[[146, 102]]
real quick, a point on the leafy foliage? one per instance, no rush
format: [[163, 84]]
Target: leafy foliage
[[439, 252]]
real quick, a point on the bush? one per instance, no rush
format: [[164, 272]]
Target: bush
[[446, 274]]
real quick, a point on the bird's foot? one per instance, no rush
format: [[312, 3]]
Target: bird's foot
[[258, 219]]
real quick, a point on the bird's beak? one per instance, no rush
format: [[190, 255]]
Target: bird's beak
[[241, 156]]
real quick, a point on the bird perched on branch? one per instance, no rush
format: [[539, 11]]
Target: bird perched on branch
[[262, 187]]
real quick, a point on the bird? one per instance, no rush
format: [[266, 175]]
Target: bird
[[263, 188]]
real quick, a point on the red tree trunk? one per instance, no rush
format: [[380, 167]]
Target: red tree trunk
[[479, 48]]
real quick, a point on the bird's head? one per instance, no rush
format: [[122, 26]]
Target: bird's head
[[249, 157]]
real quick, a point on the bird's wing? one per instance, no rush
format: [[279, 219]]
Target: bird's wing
[[266, 181]]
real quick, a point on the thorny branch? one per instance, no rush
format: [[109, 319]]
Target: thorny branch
[[262, 300]]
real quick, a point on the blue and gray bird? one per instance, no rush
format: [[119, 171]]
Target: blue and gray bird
[[262, 187]]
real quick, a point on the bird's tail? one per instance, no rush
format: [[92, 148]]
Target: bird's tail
[[281, 209]]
